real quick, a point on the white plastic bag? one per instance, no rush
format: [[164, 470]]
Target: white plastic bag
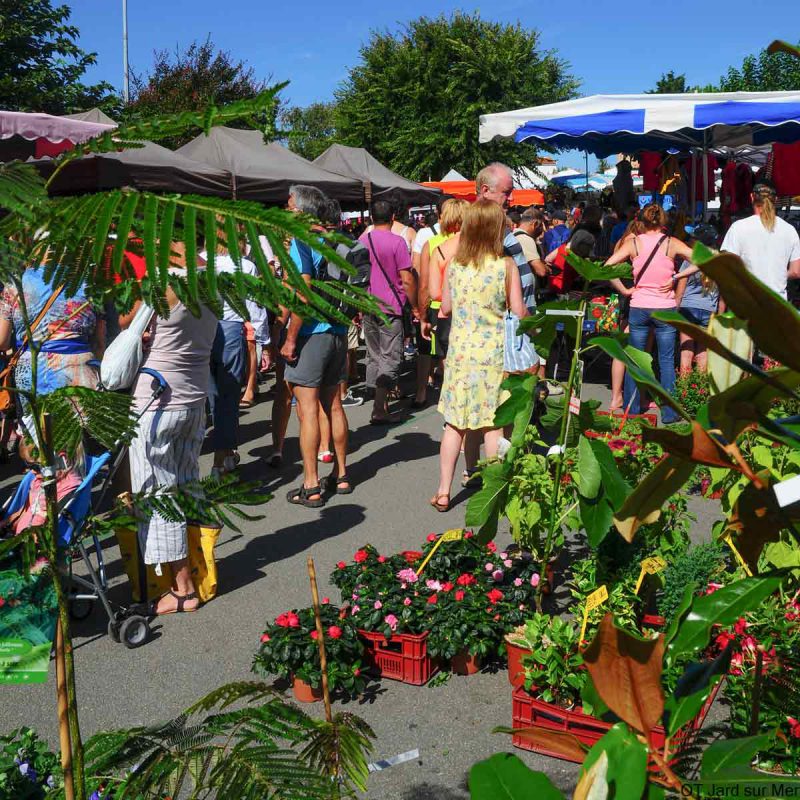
[[122, 360]]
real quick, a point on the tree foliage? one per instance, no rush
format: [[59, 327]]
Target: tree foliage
[[186, 80], [414, 98], [310, 130], [41, 64], [765, 72], [670, 83]]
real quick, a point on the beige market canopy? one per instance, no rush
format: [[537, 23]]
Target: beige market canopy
[[264, 172], [378, 181]]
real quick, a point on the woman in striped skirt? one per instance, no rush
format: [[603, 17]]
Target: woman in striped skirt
[[166, 450]]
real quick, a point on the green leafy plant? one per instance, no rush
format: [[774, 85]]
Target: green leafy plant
[[28, 770], [694, 570], [289, 649], [692, 389]]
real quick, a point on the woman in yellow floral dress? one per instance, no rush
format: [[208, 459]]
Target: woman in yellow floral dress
[[480, 285]]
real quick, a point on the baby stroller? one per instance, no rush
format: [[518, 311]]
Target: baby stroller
[[129, 625]]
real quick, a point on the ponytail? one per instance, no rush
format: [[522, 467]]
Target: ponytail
[[764, 197]]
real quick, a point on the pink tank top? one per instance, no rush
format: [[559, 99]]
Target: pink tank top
[[647, 292]]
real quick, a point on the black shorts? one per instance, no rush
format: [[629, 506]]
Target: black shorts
[[440, 333]]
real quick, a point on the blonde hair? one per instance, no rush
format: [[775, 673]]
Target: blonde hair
[[764, 199], [482, 233], [452, 215]]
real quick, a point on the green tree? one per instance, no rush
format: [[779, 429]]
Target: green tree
[[193, 78], [415, 97], [765, 72], [602, 165], [41, 64], [670, 83], [310, 130]]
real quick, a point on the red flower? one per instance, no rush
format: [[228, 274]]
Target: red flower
[[740, 627], [356, 672], [340, 565], [466, 579], [282, 620], [491, 547], [293, 620], [468, 534], [431, 537], [264, 638], [325, 600], [794, 727], [494, 596], [334, 632], [360, 556], [447, 586], [381, 559], [2, 602], [497, 618], [433, 599], [314, 635], [459, 595]]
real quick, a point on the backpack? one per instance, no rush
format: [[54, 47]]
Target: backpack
[[357, 255]]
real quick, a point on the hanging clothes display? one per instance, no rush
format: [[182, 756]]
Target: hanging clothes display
[[785, 163], [697, 161], [650, 170]]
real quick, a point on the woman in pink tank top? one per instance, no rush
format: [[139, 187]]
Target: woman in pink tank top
[[653, 255]]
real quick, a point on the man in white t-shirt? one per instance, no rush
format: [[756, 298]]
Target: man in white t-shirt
[[768, 245]]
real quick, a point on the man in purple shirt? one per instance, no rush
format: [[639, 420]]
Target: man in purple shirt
[[393, 283]]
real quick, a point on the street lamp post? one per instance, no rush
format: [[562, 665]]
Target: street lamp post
[[125, 90]]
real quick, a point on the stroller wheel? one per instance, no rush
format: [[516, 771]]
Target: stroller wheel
[[80, 608], [135, 631], [113, 630]]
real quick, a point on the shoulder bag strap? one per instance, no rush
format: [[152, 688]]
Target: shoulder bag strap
[[380, 267], [649, 260], [35, 324]]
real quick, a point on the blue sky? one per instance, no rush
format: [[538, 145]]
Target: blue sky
[[312, 43]]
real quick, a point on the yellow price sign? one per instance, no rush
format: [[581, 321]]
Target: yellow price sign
[[650, 566], [595, 599], [454, 535]]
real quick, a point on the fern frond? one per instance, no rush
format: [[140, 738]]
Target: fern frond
[[21, 190]]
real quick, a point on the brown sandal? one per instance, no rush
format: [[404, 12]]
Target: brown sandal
[[181, 598], [440, 507]]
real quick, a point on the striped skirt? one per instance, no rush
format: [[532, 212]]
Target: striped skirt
[[165, 454]]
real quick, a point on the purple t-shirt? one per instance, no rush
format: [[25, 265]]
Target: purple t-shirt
[[394, 257]]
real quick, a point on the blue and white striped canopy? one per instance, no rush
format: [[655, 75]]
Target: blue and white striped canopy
[[607, 124]]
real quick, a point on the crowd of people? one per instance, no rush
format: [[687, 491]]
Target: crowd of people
[[452, 293]]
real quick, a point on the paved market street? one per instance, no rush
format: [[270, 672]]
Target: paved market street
[[262, 572]]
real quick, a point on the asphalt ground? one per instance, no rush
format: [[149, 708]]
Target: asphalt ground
[[262, 572]]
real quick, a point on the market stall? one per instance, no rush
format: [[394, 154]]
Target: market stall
[[24, 135]]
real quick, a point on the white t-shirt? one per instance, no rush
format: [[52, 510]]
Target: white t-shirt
[[765, 253], [424, 235]]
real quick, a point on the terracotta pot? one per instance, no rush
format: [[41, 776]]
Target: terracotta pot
[[516, 674], [465, 663], [304, 692]]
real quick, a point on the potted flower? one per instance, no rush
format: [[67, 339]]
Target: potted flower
[[289, 650]]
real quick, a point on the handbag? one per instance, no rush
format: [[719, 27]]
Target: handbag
[[7, 375], [519, 353], [123, 358]]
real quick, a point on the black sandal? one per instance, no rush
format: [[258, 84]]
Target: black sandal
[[181, 598], [301, 497], [328, 483]]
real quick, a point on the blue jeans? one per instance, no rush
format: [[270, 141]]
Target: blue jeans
[[640, 321], [227, 372]]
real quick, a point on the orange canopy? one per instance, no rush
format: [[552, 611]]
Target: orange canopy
[[466, 191]]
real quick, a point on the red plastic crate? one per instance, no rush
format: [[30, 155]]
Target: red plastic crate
[[528, 712], [404, 657]]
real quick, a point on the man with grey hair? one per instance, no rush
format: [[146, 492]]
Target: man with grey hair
[[495, 183], [315, 352]]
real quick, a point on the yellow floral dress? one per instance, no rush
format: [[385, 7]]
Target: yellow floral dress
[[474, 367]]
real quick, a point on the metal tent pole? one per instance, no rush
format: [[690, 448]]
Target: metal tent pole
[[705, 175], [125, 88]]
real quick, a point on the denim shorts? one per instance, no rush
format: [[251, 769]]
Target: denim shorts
[[698, 316]]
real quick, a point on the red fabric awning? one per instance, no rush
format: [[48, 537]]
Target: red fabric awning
[[466, 191]]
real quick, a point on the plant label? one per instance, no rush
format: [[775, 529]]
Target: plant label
[[595, 599], [453, 535], [727, 537], [650, 566], [575, 405], [788, 491]]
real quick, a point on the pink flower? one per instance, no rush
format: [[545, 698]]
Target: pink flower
[[335, 632], [356, 672], [434, 586], [407, 575], [431, 537], [712, 587], [325, 600], [354, 596], [497, 575], [340, 565], [264, 637], [314, 635], [521, 607], [508, 563], [407, 601], [491, 547], [504, 556], [535, 579], [468, 534], [381, 559], [391, 621], [377, 604], [354, 610], [489, 566], [517, 581]]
